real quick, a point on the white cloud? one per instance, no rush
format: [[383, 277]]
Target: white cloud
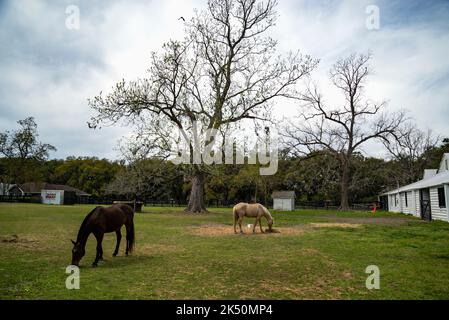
[[49, 72]]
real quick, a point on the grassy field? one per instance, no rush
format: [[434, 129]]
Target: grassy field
[[319, 254]]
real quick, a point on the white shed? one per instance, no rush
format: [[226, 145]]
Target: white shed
[[58, 196], [52, 196], [427, 199], [283, 200]]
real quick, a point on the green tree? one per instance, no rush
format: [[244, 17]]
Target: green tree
[[23, 153]]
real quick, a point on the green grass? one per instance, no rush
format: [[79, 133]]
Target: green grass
[[181, 256]]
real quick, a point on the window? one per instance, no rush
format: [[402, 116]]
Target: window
[[406, 200], [441, 198]]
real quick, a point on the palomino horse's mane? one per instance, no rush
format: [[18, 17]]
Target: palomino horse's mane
[[267, 213], [83, 225]]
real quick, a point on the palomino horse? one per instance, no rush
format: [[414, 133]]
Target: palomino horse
[[100, 221], [256, 210]]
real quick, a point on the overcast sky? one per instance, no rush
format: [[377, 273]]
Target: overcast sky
[[49, 71]]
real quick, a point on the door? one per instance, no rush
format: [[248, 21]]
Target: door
[[426, 213], [384, 203]]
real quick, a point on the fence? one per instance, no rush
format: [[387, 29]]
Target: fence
[[22, 199], [211, 203]]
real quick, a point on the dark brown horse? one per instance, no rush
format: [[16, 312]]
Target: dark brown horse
[[100, 221]]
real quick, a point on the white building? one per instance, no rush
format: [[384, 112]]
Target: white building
[[427, 198], [283, 200]]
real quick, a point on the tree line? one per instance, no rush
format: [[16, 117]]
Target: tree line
[[313, 177]]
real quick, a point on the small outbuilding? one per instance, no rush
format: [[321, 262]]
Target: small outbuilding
[[283, 200], [50, 193], [427, 199], [58, 197]]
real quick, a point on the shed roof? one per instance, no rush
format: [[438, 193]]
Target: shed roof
[[283, 194], [36, 187]]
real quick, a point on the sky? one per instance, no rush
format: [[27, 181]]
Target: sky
[[48, 71]]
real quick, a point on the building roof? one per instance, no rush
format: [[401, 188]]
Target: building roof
[[435, 180], [429, 173], [283, 194], [36, 187]]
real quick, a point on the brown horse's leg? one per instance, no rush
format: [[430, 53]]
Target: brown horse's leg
[[119, 238], [99, 237]]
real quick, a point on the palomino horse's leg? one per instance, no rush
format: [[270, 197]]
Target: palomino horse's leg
[[119, 238], [255, 224], [99, 237], [240, 224], [235, 223], [260, 225]]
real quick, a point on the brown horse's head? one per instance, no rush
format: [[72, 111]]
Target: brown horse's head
[[78, 252]]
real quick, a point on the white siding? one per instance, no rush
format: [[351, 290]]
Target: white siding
[[406, 208], [394, 203], [52, 196], [283, 204], [437, 212], [277, 204], [417, 204]]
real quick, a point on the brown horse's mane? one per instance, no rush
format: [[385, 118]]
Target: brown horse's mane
[[84, 223]]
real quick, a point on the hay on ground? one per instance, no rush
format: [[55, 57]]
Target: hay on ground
[[228, 230]]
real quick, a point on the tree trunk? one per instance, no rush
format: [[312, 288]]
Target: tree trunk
[[196, 198], [344, 202]]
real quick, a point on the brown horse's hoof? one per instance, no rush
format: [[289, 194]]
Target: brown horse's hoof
[[94, 265], [114, 255]]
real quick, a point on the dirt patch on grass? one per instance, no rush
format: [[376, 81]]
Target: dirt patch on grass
[[19, 240], [335, 225], [214, 230], [227, 230]]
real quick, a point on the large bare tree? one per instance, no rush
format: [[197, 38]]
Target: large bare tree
[[341, 130], [225, 71]]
